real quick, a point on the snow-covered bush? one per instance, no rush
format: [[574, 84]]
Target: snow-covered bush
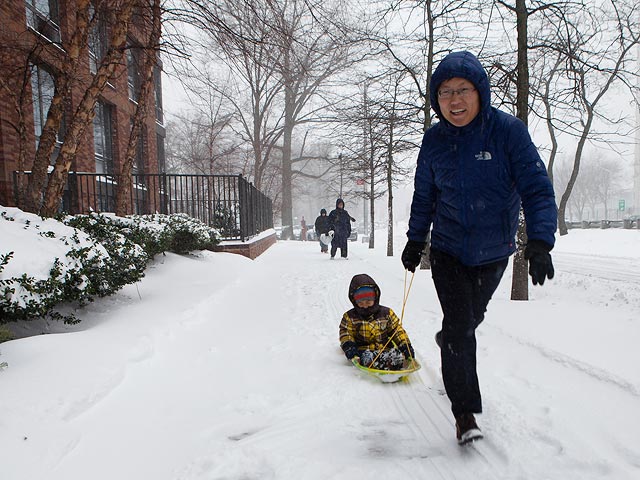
[[49, 263], [82, 257], [178, 233]]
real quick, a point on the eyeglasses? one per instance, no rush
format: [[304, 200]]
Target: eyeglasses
[[447, 93]]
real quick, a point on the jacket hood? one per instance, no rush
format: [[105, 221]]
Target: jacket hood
[[363, 280], [339, 201], [323, 211], [461, 65]]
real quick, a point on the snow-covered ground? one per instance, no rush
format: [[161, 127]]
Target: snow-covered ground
[[218, 367]]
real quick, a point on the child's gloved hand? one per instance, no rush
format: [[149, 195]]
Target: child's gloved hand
[[350, 350], [407, 350]]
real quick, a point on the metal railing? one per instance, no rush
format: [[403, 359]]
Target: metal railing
[[228, 203], [603, 224]]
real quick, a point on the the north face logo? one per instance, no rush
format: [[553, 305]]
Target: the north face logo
[[483, 156]]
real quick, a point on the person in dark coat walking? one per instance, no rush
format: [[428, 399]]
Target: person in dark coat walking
[[340, 225], [321, 227], [476, 167]]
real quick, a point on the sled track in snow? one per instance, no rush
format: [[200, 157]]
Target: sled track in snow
[[623, 270], [426, 411], [576, 365]]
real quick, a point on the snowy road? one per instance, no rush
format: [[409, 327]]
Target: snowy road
[[216, 367], [624, 270]]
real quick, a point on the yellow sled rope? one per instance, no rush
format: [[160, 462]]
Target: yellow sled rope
[[390, 376]]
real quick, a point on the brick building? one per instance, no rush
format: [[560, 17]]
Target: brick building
[[33, 36]]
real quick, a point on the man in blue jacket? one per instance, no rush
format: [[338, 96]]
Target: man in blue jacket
[[475, 169]]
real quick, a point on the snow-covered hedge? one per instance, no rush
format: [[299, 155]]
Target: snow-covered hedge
[[46, 262]]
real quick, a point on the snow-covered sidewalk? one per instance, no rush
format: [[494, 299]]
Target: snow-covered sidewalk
[[218, 367]]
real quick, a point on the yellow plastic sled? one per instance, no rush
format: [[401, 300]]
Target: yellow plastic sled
[[389, 376]]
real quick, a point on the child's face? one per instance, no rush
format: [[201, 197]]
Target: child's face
[[365, 303]]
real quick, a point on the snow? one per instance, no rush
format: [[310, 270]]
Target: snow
[[218, 367]]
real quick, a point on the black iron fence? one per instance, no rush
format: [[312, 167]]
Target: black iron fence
[[228, 203]]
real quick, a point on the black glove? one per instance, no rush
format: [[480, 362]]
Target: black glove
[[540, 265], [350, 349], [411, 254], [407, 350]]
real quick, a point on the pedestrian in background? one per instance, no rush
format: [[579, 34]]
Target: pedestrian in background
[[339, 229], [321, 227]]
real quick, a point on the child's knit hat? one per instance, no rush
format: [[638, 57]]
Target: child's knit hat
[[364, 293]]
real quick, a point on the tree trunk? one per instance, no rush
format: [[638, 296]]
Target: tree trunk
[[287, 183], [520, 279], [85, 112], [62, 88], [564, 200], [390, 194], [123, 196], [372, 208]]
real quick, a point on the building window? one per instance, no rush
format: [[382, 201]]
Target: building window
[[42, 16], [103, 138], [98, 40], [157, 85], [138, 164], [160, 153], [133, 71], [42, 91]]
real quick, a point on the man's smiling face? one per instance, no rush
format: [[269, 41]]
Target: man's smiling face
[[463, 102]]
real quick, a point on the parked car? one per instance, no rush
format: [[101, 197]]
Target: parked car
[[354, 235], [311, 235]]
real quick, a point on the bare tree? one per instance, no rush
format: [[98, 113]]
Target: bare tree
[[600, 57], [307, 57], [120, 13], [151, 20], [253, 86]]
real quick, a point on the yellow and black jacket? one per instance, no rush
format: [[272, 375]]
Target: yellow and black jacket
[[370, 328]]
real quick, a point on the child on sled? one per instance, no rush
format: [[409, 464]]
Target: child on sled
[[372, 331]]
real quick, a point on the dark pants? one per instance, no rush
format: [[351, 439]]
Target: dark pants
[[464, 293], [339, 243]]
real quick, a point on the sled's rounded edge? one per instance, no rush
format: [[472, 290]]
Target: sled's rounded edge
[[388, 376]]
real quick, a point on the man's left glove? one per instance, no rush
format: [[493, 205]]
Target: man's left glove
[[350, 349], [407, 350], [540, 264], [411, 254]]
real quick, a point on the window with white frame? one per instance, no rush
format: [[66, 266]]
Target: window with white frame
[[161, 154], [98, 40], [138, 164], [157, 85], [133, 71], [103, 137], [43, 17], [42, 92]]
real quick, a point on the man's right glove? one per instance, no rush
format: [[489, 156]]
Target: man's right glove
[[350, 349], [540, 265], [411, 254]]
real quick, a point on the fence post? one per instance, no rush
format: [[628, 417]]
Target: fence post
[[242, 200]]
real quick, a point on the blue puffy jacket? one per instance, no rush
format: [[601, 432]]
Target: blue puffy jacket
[[470, 181]]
